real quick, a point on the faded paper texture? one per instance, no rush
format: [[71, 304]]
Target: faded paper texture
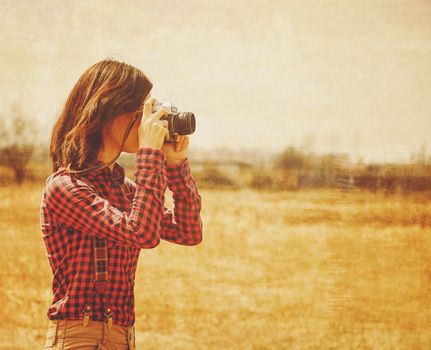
[[311, 153]]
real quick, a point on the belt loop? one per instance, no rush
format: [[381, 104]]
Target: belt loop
[[131, 337], [55, 332], [64, 329]]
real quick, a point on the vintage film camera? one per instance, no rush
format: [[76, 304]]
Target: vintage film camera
[[181, 123]]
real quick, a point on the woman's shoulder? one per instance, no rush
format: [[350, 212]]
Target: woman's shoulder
[[61, 181]]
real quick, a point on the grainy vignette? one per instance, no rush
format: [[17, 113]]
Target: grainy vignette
[[311, 153]]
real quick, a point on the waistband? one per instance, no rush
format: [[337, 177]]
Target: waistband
[[60, 329]]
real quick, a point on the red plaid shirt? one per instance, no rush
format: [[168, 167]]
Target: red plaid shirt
[[129, 217]]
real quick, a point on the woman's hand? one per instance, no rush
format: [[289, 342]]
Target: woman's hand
[[153, 131], [176, 152]]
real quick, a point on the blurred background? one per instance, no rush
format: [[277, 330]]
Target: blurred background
[[312, 122]]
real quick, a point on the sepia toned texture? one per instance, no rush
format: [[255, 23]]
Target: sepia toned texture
[[351, 76], [277, 270], [292, 98]]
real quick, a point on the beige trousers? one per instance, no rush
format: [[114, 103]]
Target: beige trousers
[[72, 334]]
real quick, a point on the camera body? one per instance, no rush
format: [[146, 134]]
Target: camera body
[[179, 123]]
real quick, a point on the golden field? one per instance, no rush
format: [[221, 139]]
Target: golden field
[[276, 270]]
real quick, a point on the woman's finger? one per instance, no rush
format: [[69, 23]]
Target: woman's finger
[[178, 139], [186, 142], [177, 142], [160, 113], [162, 130], [182, 143], [148, 106], [162, 122]]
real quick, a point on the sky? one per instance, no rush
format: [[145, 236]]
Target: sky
[[325, 76]]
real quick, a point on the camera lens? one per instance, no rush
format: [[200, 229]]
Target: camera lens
[[184, 123]]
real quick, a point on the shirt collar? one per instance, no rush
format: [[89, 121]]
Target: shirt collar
[[118, 172]]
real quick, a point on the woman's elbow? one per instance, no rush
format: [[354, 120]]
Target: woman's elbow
[[150, 243], [197, 240], [196, 237]]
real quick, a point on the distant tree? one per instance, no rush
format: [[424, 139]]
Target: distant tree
[[291, 163], [289, 159], [420, 156], [17, 141]]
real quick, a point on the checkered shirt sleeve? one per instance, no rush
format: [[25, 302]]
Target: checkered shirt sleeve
[[75, 204], [182, 224]]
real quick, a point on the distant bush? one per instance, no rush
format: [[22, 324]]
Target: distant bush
[[416, 184], [17, 142], [260, 181], [289, 159], [400, 178], [211, 177]]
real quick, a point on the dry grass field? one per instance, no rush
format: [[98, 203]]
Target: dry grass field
[[287, 270]]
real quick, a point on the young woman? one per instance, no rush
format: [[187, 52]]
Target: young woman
[[94, 223]]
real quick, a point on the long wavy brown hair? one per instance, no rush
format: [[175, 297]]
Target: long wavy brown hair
[[105, 90]]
